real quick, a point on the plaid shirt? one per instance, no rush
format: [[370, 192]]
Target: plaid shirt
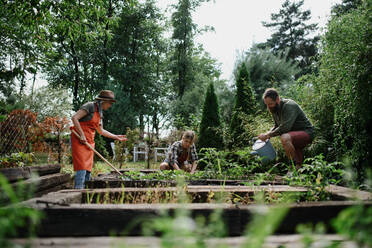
[[176, 150]]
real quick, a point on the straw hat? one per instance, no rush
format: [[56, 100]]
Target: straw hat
[[106, 95]]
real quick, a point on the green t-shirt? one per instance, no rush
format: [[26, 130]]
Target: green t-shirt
[[290, 117], [90, 107]]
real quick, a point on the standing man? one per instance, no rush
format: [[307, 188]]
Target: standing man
[[86, 121], [182, 154], [291, 124]]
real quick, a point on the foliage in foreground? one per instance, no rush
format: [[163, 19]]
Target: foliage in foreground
[[13, 215], [182, 226], [356, 224]]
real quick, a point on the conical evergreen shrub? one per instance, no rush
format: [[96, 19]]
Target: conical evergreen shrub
[[210, 132], [244, 109]]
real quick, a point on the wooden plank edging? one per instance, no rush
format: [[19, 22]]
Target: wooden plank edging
[[295, 240], [198, 189], [349, 193], [18, 173]]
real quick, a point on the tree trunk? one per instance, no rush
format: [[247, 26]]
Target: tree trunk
[[105, 41], [76, 78], [141, 126]]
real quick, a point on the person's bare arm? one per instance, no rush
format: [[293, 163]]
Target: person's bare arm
[[194, 165], [175, 166], [264, 136], [107, 134], [75, 120]]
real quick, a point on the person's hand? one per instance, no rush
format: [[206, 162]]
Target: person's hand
[[83, 139], [263, 136], [121, 137], [176, 167]]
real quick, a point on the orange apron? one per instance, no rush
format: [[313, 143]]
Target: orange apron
[[82, 155]]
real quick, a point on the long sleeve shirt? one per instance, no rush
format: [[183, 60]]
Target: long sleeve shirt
[[176, 150], [290, 117]]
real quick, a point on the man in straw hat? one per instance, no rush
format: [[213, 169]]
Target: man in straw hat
[[86, 121]]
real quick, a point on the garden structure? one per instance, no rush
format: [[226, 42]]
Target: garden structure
[[222, 195], [120, 206]]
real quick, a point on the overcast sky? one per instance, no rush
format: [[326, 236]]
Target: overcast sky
[[238, 24]]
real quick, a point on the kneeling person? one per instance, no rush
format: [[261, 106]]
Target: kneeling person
[[291, 124], [182, 154]]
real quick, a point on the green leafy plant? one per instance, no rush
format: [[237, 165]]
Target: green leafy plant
[[182, 226], [356, 224], [308, 231], [316, 174], [322, 171], [13, 215], [316, 171], [120, 147], [19, 159], [264, 223]]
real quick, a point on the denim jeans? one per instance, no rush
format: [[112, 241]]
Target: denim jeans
[[81, 177]]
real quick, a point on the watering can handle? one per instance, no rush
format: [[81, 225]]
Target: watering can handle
[[256, 138]]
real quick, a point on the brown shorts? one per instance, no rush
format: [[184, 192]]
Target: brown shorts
[[300, 139]]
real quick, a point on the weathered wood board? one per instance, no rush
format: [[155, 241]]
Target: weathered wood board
[[274, 241], [126, 219], [14, 174]]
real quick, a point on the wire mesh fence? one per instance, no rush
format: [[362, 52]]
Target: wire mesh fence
[[16, 131], [21, 132]]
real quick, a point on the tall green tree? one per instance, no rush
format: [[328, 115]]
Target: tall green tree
[[345, 6], [137, 54], [267, 69], [225, 96], [210, 133], [182, 64], [76, 34], [189, 108], [183, 38], [244, 109], [292, 32], [345, 80], [22, 35]]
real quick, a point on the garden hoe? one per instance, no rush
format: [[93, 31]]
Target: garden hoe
[[98, 154]]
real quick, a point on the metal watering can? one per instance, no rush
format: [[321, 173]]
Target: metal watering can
[[263, 149]]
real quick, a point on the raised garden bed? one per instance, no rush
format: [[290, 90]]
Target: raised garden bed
[[19, 173], [47, 183], [48, 179], [126, 219], [194, 194], [112, 180], [68, 214]]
